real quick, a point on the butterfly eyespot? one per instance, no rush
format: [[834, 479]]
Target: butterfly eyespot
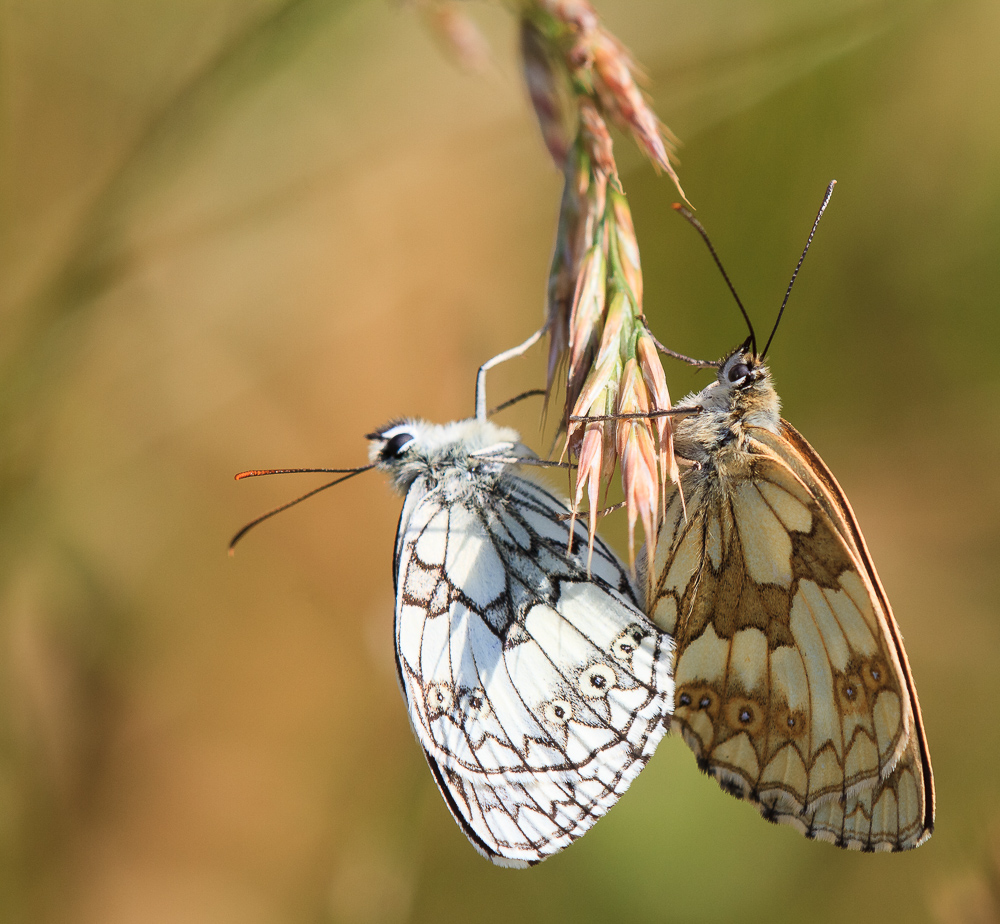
[[439, 699], [874, 675], [793, 723], [558, 712], [700, 696], [743, 714], [739, 371], [395, 445], [623, 649], [474, 704], [852, 694], [626, 644], [597, 680]]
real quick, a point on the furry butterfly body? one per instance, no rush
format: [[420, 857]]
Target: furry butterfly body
[[792, 685], [537, 690]]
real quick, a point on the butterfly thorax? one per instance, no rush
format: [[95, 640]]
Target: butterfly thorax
[[741, 399]]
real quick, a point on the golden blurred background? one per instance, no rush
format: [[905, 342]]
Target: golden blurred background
[[243, 234]]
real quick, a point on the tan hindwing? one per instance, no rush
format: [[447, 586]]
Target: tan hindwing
[[789, 689]]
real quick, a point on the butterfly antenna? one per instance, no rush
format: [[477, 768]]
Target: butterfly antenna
[[798, 266], [677, 207], [350, 473]]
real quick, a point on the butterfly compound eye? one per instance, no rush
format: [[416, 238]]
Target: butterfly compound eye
[[739, 371], [395, 445]]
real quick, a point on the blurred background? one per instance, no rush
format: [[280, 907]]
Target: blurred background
[[243, 234]]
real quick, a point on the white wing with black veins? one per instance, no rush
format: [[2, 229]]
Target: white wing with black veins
[[537, 691]]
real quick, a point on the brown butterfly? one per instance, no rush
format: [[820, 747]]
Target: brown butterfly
[[792, 685]]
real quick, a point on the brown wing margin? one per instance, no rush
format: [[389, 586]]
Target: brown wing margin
[[836, 494]]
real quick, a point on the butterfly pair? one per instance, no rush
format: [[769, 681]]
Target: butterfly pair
[[538, 691], [538, 688]]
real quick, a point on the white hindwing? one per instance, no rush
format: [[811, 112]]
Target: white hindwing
[[537, 692]]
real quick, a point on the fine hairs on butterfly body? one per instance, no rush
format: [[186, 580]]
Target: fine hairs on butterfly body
[[726, 409], [451, 447], [537, 690], [792, 684]]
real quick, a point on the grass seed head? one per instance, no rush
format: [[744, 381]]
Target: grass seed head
[[588, 475], [595, 451], [577, 14], [546, 80], [458, 34], [579, 72], [596, 138], [588, 309], [638, 458], [656, 385], [627, 246]]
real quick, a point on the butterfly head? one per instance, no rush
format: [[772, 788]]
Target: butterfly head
[[744, 389], [407, 449], [742, 396], [742, 368], [391, 443]]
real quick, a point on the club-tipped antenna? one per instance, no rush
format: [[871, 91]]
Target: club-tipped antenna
[[798, 266], [677, 207], [253, 473]]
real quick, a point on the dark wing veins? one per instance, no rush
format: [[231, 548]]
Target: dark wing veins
[[535, 565], [520, 519]]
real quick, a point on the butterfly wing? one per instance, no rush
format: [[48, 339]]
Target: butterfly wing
[[792, 686], [898, 812], [538, 693]]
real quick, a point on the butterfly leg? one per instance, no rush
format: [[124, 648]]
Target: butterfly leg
[[512, 353]]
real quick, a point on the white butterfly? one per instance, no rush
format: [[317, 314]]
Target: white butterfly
[[537, 690]]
